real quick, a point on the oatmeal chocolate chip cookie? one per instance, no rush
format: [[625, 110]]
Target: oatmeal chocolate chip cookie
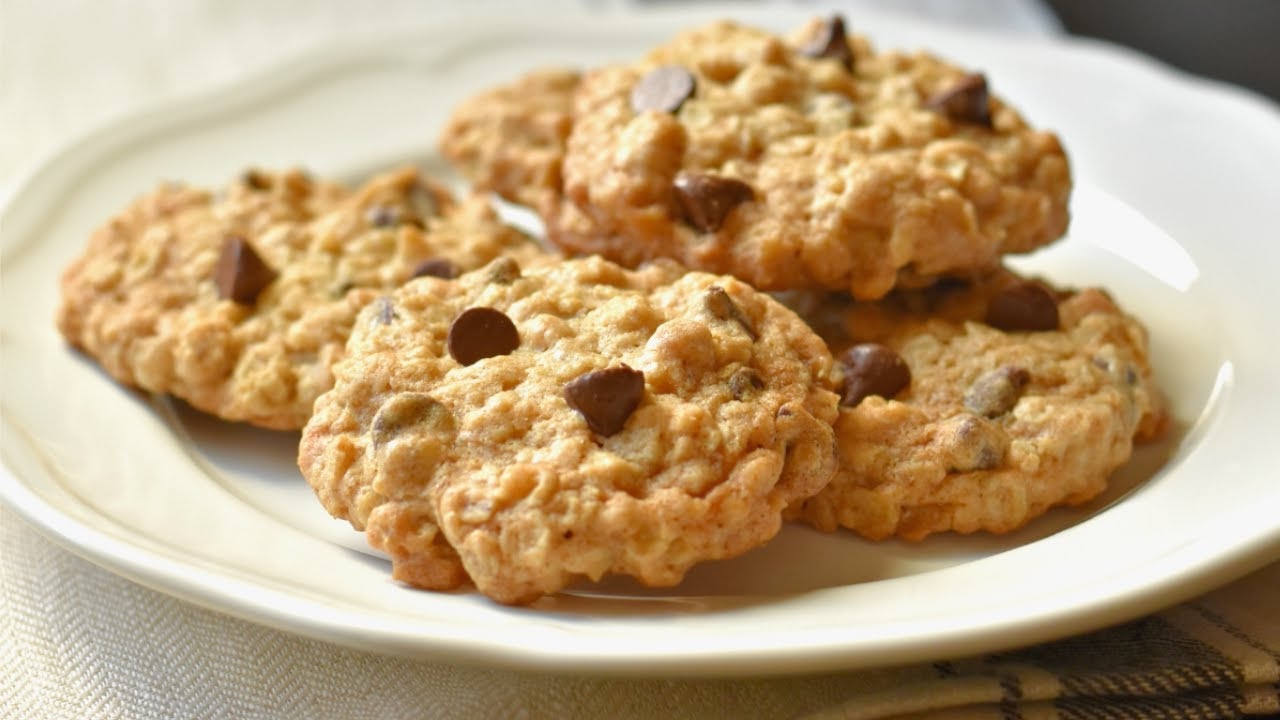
[[977, 407], [808, 162], [527, 428], [239, 301]]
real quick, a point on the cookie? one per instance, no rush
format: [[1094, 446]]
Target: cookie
[[977, 407], [804, 162], [510, 139], [525, 429], [239, 301]]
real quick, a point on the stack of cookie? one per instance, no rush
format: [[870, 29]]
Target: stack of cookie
[[781, 297]]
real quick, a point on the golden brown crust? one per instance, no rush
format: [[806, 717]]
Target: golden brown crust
[[142, 300], [858, 185], [487, 467], [949, 453]]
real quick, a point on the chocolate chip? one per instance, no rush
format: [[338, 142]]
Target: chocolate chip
[[872, 369], [241, 273], [256, 179], [436, 267], [966, 101], [407, 410], [664, 89], [722, 307], [996, 392], [606, 398], [1023, 306], [382, 216], [481, 332], [745, 382], [970, 443], [830, 41], [706, 200]]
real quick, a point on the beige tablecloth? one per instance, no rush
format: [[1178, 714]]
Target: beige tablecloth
[[79, 642]]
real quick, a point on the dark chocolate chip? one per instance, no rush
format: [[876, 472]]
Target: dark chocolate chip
[[382, 216], [830, 41], [706, 200], [256, 179], [241, 273], [1023, 306], [996, 392], [436, 267], [872, 369], [744, 383], [722, 307], [966, 101], [971, 443], [481, 332], [664, 89], [606, 398], [407, 410]]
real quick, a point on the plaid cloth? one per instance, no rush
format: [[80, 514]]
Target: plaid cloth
[[1216, 657]]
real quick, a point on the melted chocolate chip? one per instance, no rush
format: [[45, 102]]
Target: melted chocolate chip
[[706, 200], [830, 41], [970, 443], [966, 101], [722, 307], [872, 369], [481, 332], [744, 383], [436, 267], [241, 274], [606, 398], [1023, 306], [664, 89], [996, 392]]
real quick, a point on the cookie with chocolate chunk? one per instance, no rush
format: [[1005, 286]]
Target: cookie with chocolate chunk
[[239, 301], [527, 428], [978, 406], [792, 163]]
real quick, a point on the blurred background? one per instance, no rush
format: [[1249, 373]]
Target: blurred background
[[1233, 40]]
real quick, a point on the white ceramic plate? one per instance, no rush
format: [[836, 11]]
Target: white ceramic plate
[[1174, 212]]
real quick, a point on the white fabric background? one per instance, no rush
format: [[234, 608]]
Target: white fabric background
[[79, 642]]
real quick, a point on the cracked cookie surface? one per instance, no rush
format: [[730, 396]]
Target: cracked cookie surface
[[525, 429], [991, 427], [239, 301], [783, 165]]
